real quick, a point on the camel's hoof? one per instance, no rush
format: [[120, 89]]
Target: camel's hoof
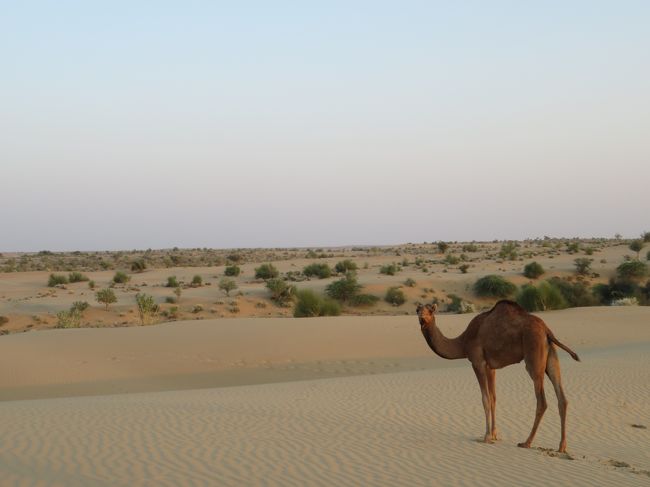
[[523, 445], [488, 440]]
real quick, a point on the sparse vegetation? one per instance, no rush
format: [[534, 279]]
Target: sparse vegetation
[[493, 286], [409, 282], [320, 270], [442, 247], [533, 270], [232, 271], [281, 292], [345, 266], [463, 268], [508, 251], [458, 305], [57, 280], [266, 271], [395, 296], [388, 269], [68, 319], [172, 282], [542, 297], [178, 291], [106, 297], [632, 270], [77, 277], [120, 278], [636, 246], [80, 306], [345, 289], [197, 281], [309, 304], [91, 285], [138, 265]]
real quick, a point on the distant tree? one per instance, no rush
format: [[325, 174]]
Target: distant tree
[[232, 270], [345, 289], [583, 265], [442, 247], [106, 297], [227, 285], [636, 246], [632, 270]]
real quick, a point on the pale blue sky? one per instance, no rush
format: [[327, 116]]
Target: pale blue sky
[[246, 124]]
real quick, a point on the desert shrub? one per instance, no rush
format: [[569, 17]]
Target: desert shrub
[[197, 281], [395, 296], [344, 289], [281, 292], [636, 246], [147, 308], [583, 265], [77, 277], [170, 300], [56, 280], [409, 282], [470, 248], [345, 266], [572, 247], [91, 284], [309, 304], [178, 291], [172, 282], [364, 300], [606, 293], [463, 268], [235, 257], [533, 270], [321, 270], [232, 271], [576, 294], [451, 259], [197, 308], [266, 271], [120, 278], [3, 320], [542, 297], [388, 269], [80, 306], [647, 256], [442, 247], [625, 302], [227, 285], [632, 270], [589, 251], [105, 297], [493, 286], [458, 305], [68, 319], [138, 265], [508, 251]]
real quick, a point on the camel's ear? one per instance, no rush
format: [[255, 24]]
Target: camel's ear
[[434, 307]]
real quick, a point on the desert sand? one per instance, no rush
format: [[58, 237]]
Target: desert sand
[[323, 401]]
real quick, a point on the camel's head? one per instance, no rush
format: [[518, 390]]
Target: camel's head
[[426, 313]]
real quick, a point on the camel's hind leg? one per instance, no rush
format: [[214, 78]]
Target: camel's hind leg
[[553, 372], [481, 376], [491, 378], [535, 365]]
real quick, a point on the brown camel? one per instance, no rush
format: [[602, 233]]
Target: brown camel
[[504, 335]]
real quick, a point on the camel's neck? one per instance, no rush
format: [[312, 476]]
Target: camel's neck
[[449, 348]]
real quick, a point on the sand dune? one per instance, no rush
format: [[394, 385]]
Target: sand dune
[[410, 427]]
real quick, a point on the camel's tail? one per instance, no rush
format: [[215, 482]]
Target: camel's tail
[[563, 346]]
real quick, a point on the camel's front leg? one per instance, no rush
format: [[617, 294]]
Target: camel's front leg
[[481, 376]]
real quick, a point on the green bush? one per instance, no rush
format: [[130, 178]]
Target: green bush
[[442, 247], [451, 259], [345, 266], [227, 285], [309, 304], [463, 268], [395, 296], [470, 248], [409, 282], [345, 289], [197, 281], [364, 300], [68, 319], [542, 297], [106, 297], [583, 265], [281, 292], [172, 282], [147, 308], [632, 270], [138, 265], [533, 270], [232, 271], [636, 246], [80, 306], [120, 278], [575, 294], [493, 286], [458, 305], [56, 280], [266, 271], [615, 289], [321, 270], [77, 277], [508, 251], [388, 269], [91, 284]]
